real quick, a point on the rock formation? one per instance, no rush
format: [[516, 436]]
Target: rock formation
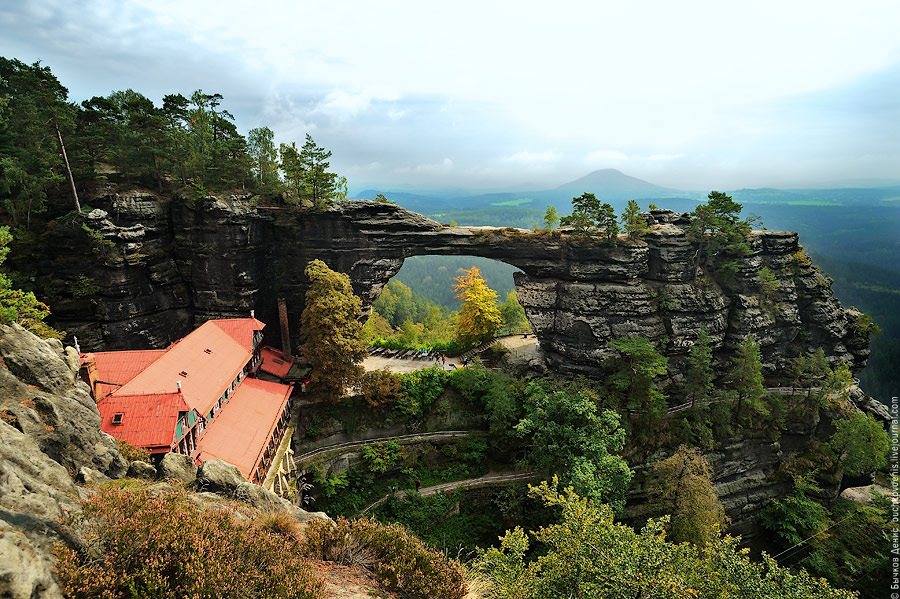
[[49, 431], [162, 266]]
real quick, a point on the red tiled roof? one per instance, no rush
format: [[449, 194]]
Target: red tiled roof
[[119, 367], [240, 329], [147, 420], [206, 362], [240, 432], [274, 363]]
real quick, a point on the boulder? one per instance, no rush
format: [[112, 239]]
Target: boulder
[[139, 469], [36, 361], [90, 477], [219, 476], [178, 467]]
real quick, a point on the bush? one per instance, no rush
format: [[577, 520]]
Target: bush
[[380, 388], [420, 389], [400, 559], [132, 453], [140, 545], [381, 457]]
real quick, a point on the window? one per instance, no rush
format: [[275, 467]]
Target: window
[[117, 418], [207, 350], [183, 373]]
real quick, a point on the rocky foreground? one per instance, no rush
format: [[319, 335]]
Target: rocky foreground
[[52, 451]]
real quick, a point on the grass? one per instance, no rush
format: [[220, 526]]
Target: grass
[[517, 202]]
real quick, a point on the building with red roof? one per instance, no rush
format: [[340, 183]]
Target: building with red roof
[[194, 397]]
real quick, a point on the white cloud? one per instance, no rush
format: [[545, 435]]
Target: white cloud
[[535, 157]]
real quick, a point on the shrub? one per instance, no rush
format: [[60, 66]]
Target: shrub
[[380, 388], [381, 457], [132, 453], [420, 389], [141, 545], [400, 559]]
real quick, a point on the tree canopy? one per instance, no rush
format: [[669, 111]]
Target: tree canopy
[[332, 331], [479, 318]]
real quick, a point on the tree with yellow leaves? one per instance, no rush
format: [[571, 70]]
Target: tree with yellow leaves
[[479, 317]]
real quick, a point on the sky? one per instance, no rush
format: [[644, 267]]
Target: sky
[[512, 95]]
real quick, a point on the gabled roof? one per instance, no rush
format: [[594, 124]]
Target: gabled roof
[[115, 368], [274, 363], [240, 329], [206, 362], [146, 420], [240, 432]]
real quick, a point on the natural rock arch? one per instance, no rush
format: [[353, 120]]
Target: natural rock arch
[[180, 265]]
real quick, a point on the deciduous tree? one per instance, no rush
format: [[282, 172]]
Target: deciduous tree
[[551, 218], [682, 487], [861, 444], [332, 332], [479, 317]]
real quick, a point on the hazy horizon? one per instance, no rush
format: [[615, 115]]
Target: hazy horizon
[[513, 96]]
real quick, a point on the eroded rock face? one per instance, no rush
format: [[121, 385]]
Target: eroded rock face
[[172, 266], [49, 428]]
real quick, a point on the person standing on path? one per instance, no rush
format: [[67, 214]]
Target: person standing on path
[[418, 485]]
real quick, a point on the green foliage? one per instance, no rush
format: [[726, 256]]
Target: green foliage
[[864, 325], [746, 379], [306, 173], [796, 517], [698, 374], [634, 224], [568, 434], [264, 156], [330, 484], [380, 388], [383, 200], [18, 306], [682, 487], [768, 283], [721, 233], [333, 334], [132, 453], [478, 319], [551, 218], [164, 545], [381, 457], [861, 444], [402, 319], [590, 216], [514, 319], [586, 554], [419, 391], [401, 560], [630, 382]]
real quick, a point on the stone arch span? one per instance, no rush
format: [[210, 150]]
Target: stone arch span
[[175, 266], [578, 294]]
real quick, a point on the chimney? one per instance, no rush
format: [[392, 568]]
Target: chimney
[[252, 313], [285, 329], [77, 348], [179, 386]]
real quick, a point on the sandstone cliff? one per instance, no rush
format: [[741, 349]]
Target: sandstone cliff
[[160, 266]]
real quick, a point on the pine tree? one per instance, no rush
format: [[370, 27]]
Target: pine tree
[[332, 331], [608, 223], [634, 224], [479, 317], [630, 383], [698, 377], [746, 377]]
